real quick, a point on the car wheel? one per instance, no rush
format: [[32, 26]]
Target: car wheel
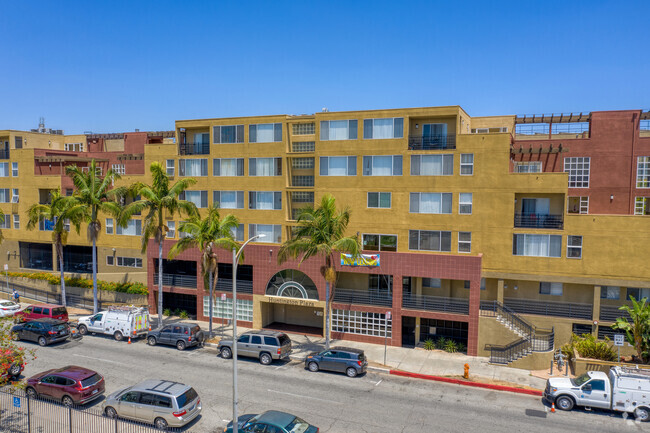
[[83, 330], [351, 372], [67, 401], [14, 370], [151, 341], [180, 345], [564, 403], [313, 366], [226, 353], [642, 414], [31, 393], [265, 359], [42, 341], [160, 423], [110, 412], [118, 336]]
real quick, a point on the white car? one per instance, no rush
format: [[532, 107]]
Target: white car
[[8, 308]]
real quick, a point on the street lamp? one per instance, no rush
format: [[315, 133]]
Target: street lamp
[[235, 260]]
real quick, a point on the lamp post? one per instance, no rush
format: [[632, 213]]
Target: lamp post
[[235, 259]]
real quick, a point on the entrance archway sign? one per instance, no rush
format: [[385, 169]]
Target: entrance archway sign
[[291, 289], [292, 283]]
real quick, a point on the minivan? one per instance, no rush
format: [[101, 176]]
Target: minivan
[[42, 311]]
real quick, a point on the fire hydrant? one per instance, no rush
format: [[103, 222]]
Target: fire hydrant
[[466, 373]]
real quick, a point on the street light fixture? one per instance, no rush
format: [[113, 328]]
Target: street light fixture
[[235, 259]]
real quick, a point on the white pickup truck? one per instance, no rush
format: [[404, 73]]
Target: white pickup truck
[[120, 322], [623, 390]]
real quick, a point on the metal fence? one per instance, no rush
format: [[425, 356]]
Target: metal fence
[[176, 280], [432, 142], [538, 221], [47, 297], [558, 309], [243, 286], [20, 414], [194, 149], [435, 303], [363, 297], [611, 313]]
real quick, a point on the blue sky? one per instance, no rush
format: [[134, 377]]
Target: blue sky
[[120, 65]]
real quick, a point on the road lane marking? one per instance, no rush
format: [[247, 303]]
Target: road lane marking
[[304, 396], [379, 382], [99, 359]]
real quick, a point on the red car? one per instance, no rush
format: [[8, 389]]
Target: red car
[[69, 385], [42, 311]]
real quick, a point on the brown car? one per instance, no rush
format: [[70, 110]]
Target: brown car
[[69, 385]]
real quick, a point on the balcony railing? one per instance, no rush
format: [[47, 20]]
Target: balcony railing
[[176, 280], [243, 286], [432, 142], [4, 153], [538, 221], [609, 313], [557, 309], [435, 303], [194, 149], [363, 297]]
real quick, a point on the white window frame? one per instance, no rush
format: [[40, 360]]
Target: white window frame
[[119, 169], [380, 236], [16, 221], [277, 229], [137, 228], [15, 196], [170, 169], [548, 237], [350, 170], [109, 226], [571, 167], [14, 169], [379, 194], [171, 229], [369, 134], [110, 261], [641, 205], [643, 172], [464, 242], [466, 164], [570, 247], [528, 165], [553, 289], [361, 323], [120, 261], [443, 196], [465, 203], [583, 205]]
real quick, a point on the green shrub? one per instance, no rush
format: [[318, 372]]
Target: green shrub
[[55, 280], [451, 346], [441, 343], [429, 344], [177, 312], [588, 346], [184, 315], [167, 312], [462, 347]]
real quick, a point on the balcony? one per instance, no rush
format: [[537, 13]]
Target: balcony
[[538, 221], [432, 142], [4, 153], [176, 280], [194, 149], [243, 286], [363, 297], [556, 309], [609, 313], [435, 303]]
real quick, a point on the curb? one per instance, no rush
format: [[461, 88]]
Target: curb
[[534, 392]]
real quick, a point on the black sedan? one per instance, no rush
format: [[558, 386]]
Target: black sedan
[[42, 331]]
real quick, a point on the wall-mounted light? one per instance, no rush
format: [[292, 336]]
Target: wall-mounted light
[[611, 197], [505, 285], [113, 251], [417, 126], [515, 287]]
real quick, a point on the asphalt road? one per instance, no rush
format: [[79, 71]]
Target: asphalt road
[[374, 402]]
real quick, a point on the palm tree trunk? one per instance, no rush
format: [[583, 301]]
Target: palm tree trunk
[[210, 308], [327, 314], [160, 289], [95, 307], [59, 252]]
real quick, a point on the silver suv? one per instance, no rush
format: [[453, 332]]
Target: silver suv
[[264, 345], [159, 402]]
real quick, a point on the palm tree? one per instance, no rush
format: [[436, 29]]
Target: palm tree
[[321, 232], [208, 235], [96, 196], [158, 200], [60, 210], [637, 332]]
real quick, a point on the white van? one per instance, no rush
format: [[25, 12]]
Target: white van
[[120, 322]]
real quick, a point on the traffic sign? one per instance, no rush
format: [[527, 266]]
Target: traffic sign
[[619, 339], [16, 401], [223, 296], [6, 267], [388, 315]]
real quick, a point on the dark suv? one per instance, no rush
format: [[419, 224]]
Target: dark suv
[[264, 345], [342, 359], [181, 335], [69, 385], [42, 331]]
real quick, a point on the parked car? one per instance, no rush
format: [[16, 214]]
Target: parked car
[[42, 311], [161, 402], [8, 308], [12, 364], [181, 335], [69, 385], [264, 345], [624, 390], [120, 322], [42, 331], [271, 421], [342, 359]]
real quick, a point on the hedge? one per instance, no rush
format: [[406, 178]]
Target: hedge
[[133, 288]]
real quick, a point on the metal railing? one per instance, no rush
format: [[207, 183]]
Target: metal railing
[[46, 297], [432, 142], [538, 221], [610, 313], [176, 280], [435, 303], [243, 286], [544, 308], [4, 153], [363, 297], [194, 149], [509, 318]]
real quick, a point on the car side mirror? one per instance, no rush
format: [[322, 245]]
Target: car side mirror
[[587, 387]]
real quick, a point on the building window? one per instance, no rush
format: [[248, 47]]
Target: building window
[[379, 200], [18, 142], [265, 133], [265, 200], [637, 294], [578, 205], [431, 283], [553, 289], [464, 242], [119, 169], [4, 169], [302, 197], [338, 165], [199, 198], [110, 260], [98, 170], [375, 242], [383, 128], [303, 146], [171, 167], [14, 169], [432, 165], [465, 203], [537, 245], [228, 134], [578, 169], [129, 262], [528, 167], [466, 164], [171, 229], [193, 167], [109, 226], [430, 202], [387, 165], [338, 130], [302, 163], [133, 228], [430, 240], [238, 233], [273, 232], [643, 172], [5, 223], [16, 221], [5, 196], [223, 309], [228, 199], [610, 292], [361, 323], [265, 166], [574, 247], [228, 167], [68, 192], [642, 206], [304, 128], [15, 198]]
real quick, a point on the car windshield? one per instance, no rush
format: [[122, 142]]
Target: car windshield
[[90, 381], [284, 339], [297, 426], [195, 330], [60, 327], [7, 304], [186, 398], [580, 380], [59, 311]]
